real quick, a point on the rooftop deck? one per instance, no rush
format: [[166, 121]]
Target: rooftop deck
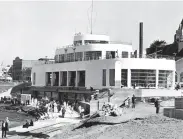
[[105, 57]]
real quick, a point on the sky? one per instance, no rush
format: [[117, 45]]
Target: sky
[[33, 30]]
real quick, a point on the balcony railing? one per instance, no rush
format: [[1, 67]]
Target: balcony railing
[[110, 57], [158, 56]]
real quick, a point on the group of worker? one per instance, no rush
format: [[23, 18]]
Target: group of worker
[[128, 102], [5, 127]]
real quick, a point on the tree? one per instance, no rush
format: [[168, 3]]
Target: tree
[[10, 71], [156, 46], [26, 73]]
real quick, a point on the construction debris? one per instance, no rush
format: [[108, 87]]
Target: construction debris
[[110, 109]]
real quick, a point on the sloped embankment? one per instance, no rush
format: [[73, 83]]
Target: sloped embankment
[[155, 126]]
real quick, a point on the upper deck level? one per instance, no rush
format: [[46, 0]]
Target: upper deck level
[[91, 42], [83, 39]]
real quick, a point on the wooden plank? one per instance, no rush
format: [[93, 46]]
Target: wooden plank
[[179, 114], [179, 103], [169, 112]]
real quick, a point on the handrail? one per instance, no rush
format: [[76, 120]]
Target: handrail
[[158, 56], [89, 58]]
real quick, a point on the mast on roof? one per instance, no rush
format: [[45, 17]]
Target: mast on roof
[[91, 16]]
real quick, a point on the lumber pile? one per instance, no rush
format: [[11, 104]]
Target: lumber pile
[[177, 111]]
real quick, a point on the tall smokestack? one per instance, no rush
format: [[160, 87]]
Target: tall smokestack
[[141, 40]]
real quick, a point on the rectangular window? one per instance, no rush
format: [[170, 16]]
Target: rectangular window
[[62, 57], [64, 78], [112, 77], [34, 78], [110, 54], [77, 43], [59, 58], [124, 54], [95, 42], [143, 78], [79, 56], [104, 77], [124, 74], [165, 78], [81, 78], [93, 55], [56, 58]]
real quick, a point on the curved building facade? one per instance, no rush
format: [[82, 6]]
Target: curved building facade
[[95, 61]]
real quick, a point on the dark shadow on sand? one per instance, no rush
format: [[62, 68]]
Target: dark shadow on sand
[[91, 123], [37, 135]]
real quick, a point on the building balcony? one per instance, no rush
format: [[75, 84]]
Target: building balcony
[[110, 57]]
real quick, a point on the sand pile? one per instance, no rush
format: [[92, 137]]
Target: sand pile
[[141, 123], [151, 127]]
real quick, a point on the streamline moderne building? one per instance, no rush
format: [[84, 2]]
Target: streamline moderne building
[[95, 61]]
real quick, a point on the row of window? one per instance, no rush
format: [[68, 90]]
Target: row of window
[[71, 77], [165, 78], [142, 78], [89, 55], [77, 43]]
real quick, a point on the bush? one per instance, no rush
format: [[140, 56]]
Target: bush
[[35, 112]]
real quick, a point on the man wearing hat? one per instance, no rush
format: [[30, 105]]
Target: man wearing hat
[[157, 105]]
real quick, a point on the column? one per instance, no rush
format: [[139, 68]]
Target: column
[[129, 54], [76, 80], [103, 54], [46, 79], [83, 42], [59, 78], [118, 74], [129, 78], [107, 78], [178, 77], [83, 58], [67, 78], [157, 78], [173, 80], [51, 94], [52, 78]]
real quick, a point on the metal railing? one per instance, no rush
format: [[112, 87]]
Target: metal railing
[[109, 57], [158, 56]]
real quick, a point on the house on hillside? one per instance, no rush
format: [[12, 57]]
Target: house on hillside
[[174, 49], [21, 69]]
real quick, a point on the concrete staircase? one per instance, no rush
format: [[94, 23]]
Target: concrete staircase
[[118, 97], [121, 94]]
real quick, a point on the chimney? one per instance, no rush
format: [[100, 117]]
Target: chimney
[[141, 40]]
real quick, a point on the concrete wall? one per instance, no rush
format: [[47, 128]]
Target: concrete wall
[[160, 93], [40, 76], [179, 69], [94, 68], [91, 37]]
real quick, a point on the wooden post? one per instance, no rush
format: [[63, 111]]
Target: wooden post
[[51, 94], [98, 105], [109, 95]]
